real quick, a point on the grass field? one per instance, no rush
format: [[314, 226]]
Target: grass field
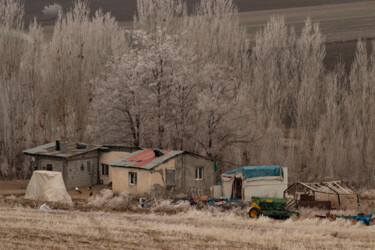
[[27, 228]]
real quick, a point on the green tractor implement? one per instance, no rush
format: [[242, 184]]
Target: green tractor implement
[[271, 207]]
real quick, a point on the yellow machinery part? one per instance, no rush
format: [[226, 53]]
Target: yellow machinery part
[[255, 205], [253, 213]]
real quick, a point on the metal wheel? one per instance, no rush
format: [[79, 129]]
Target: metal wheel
[[254, 212]]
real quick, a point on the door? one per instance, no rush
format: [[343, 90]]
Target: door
[[237, 188]]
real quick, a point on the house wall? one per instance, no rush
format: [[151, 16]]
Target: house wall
[[57, 163], [120, 180], [158, 175], [186, 182], [146, 179], [78, 177], [107, 158]]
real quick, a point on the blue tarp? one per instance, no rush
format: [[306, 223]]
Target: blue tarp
[[258, 171]]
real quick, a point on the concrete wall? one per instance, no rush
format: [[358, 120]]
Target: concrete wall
[[57, 164], [146, 179], [107, 158], [187, 163], [78, 177], [158, 175], [120, 180]]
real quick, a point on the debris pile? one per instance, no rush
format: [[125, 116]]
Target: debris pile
[[365, 219]]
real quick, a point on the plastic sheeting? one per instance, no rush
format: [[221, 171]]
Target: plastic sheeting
[[258, 171], [256, 181], [47, 186]]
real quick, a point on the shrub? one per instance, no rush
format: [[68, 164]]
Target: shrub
[[106, 199]]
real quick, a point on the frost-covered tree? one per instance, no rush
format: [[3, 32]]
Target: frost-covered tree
[[151, 15], [13, 43], [44, 83], [81, 45], [143, 85], [287, 87], [189, 96]]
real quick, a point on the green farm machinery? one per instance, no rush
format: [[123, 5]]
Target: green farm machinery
[[271, 207]]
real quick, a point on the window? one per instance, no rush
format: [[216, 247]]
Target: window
[[105, 168], [82, 167], [170, 176], [88, 167], [132, 178], [49, 167], [199, 173]]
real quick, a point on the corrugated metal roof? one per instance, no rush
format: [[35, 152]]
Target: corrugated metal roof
[[145, 159], [333, 187], [68, 149]]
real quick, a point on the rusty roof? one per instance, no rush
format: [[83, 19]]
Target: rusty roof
[[145, 158], [68, 149]]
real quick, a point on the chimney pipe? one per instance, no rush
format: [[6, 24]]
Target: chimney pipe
[[158, 153]]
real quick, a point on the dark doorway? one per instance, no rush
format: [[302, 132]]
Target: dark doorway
[[237, 188]]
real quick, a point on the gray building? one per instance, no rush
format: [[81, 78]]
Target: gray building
[[77, 162]]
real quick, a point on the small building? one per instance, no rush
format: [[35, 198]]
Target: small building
[[180, 171], [323, 195], [78, 163], [245, 182]]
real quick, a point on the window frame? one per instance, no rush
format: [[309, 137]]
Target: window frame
[[199, 173], [132, 183], [105, 169], [166, 176], [49, 165]]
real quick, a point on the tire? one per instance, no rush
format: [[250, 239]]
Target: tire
[[254, 212]]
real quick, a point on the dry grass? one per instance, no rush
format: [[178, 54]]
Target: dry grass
[[31, 228], [166, 226]]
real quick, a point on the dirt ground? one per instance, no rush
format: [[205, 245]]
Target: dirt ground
[[18, 187], [85, 192], [15, 187]]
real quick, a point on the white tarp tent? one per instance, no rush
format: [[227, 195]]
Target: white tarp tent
[[47, 186], [245, 182]]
